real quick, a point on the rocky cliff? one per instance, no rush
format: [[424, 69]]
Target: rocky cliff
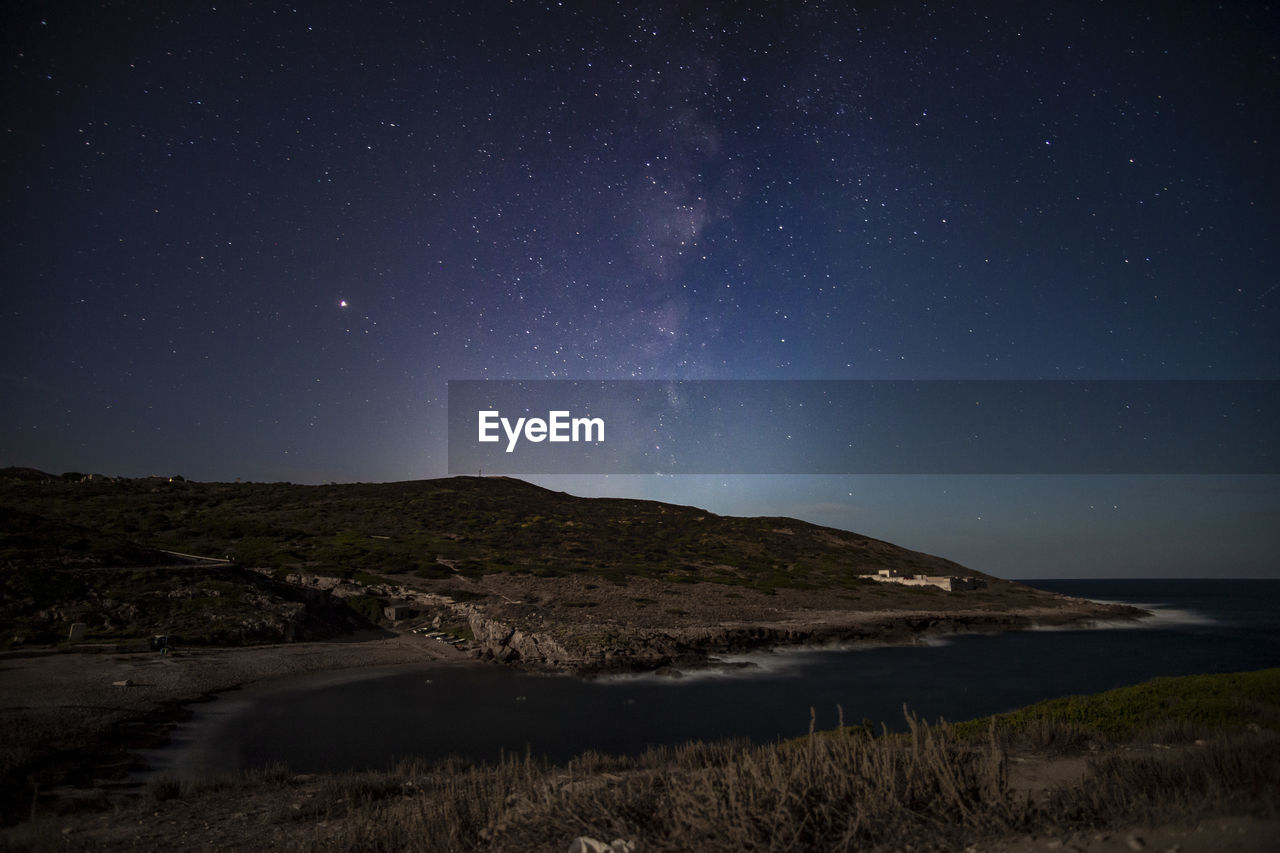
[[616, 648]]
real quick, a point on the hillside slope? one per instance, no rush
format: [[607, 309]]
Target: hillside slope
[[532, 575]]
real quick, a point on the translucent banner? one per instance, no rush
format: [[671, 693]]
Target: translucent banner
[[864, 427]]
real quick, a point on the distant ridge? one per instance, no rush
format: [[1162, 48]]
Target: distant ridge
[[26, 474]]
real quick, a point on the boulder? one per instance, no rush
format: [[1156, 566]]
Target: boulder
[[584, 844]]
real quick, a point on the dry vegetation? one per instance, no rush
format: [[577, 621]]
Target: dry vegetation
[[936, 787], [459, 527], [615, 584]]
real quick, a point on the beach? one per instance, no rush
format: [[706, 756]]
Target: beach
[[77, 715]]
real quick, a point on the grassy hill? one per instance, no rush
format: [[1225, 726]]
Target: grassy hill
[[463, 525], [584, 571], [64, 560]]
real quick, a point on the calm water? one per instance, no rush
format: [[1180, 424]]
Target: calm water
[[369, 719]]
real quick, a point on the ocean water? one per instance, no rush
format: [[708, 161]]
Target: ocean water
[[369, 719]]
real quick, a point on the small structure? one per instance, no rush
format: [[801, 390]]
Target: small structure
[[891, 574], [77, 632], [950, 583], [396, 612]]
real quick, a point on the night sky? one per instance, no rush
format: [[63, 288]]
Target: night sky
[[255, 240]]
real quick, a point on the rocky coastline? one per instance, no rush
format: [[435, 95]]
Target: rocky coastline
[[641, 650], [553, 632]]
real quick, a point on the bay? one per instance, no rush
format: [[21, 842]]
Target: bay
[[370, 719]]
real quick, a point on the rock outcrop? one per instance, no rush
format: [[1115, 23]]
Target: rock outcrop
[[502, 642], [602, 639], [585, 844], [619, 649]]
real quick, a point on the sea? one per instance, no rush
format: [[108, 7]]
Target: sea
[[370, 719]]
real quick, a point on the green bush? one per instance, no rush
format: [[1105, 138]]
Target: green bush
[[1187, 703], [434, 571], [368, 606]]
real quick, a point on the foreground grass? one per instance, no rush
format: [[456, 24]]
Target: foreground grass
[[932, 788], [1156, 711]]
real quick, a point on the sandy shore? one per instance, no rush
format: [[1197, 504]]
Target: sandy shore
[[73, 716]]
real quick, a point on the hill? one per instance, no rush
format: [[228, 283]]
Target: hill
[[464, 525], [523, 573]]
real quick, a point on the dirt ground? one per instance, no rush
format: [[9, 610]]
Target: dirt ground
[[1217, 835], [70, 718], [75, 686]]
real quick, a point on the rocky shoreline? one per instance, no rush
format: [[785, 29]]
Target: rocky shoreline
[[641, 650], [585, 629]]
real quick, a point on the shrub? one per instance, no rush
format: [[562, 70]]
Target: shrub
[[369, 607]]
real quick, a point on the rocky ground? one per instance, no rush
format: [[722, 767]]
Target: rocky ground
[[587, 627]]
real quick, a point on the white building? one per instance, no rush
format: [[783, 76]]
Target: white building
[[950, 583]]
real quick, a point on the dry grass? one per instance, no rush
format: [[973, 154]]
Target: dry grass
[[933, 787], [927, 789], [828, 792], [1230, 774]]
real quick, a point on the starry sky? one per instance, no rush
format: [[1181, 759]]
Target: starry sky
[[255, 240]]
